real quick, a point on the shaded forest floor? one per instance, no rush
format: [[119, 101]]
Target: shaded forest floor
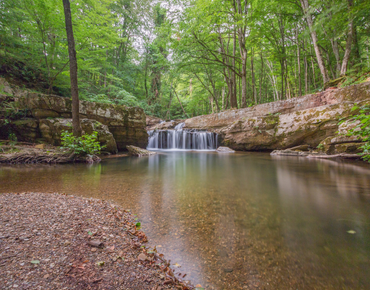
[[53, 241]]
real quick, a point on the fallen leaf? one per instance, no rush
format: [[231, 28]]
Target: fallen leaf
[[35, 262], [177, 265], [101, 263]]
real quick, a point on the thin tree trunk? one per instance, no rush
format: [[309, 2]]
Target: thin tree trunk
[[299, 65], [313, 73], [253, 78], [179, 101], [305, 75], [73, 70], [347, 52], [320, 60], [261, 78]]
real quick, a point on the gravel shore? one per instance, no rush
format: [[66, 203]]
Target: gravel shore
[[54, 241]]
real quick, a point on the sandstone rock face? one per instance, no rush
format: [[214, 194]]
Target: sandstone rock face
[[25, 129], [355, 93], [51, 130], [306, 120], [126, 124], [152, 121], [166, 125]]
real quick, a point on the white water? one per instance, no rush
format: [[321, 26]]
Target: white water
[[180, 139]]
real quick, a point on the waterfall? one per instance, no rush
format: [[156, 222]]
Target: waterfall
[[183, 139]]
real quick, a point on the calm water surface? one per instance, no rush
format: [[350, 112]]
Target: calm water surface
[[240, 221]]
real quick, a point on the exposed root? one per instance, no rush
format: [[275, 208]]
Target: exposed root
[[36, 156], [22, 155]]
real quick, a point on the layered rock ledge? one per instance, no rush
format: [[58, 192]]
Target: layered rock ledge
[[40, 116], [307, 120]]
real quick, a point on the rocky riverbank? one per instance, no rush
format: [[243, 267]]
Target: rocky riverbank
[[309, 121], [53, 241]]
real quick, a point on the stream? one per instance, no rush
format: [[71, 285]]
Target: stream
[[233, 221]]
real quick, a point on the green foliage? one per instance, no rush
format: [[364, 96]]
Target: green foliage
[[85, 145], [12, 137], [362, 129], [139, 53], [320, 146]]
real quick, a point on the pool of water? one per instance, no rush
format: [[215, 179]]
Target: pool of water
[[234, 221]]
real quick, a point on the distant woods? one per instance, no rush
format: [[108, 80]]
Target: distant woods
[[185, 58]]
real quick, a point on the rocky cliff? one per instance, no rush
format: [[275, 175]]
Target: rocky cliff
[[307, 120], [43, 116]]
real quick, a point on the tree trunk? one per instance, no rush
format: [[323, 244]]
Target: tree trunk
[[299, 66], [320, 60], [261, 78], [73, 70], [253, 79], [347, 52]]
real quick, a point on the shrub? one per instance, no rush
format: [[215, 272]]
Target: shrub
[[85, 145], [362, 129]]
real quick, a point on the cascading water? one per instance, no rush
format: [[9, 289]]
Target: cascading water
[[183, 139]]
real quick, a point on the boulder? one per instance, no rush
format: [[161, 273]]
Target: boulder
[[51, 130], [222, 149], [136, 151]]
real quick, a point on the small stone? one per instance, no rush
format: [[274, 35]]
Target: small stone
[[95, 243], [46, 276], [94, 249], [228, 270], [142, 257]]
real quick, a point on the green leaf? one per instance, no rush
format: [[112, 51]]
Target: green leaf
[[138, 226], [352, 232], [35, 262], [100, 263]]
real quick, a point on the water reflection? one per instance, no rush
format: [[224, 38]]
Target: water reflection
[[236, 221]]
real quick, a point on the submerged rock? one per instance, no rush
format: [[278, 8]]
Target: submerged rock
[[289, 152], [223, 149], [136, 151]]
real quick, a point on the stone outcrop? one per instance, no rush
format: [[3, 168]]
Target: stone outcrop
[[306, 120], [136, 151], [127, 124], [51, 130], [152, 121]]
